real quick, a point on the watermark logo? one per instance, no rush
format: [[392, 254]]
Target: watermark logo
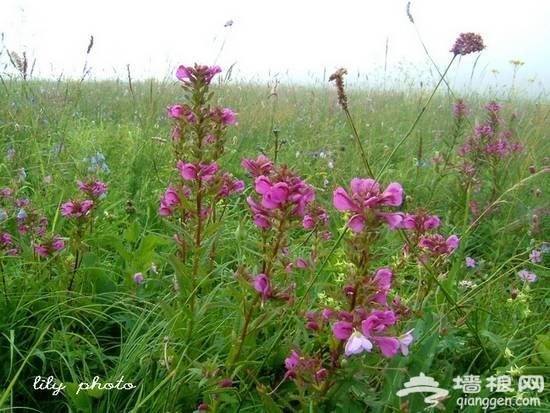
[[470, 385], [424, 384]]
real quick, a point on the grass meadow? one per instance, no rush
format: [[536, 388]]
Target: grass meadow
[[144, 269]]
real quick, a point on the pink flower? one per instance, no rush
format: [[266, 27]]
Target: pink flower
[[273, 195], [76, 209], [175, 111], [190, 171], [41, 250], [228, 117], [389, 346], [261, 166], [438, 245], [451, 244], [342, 330], [94, 189], [57, 243], [393, 195], [184, 73], [262, 285], [308, 222], [210, 72], [356, 344], [291, 362], [382, 279], [378, 321], [50, 246], [365, 195], [393, 219]]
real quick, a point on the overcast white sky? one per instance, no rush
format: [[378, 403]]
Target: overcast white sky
[[289, 38]]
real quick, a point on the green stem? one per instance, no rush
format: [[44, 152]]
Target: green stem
[[244, 332], [359, 143], [418, 117]]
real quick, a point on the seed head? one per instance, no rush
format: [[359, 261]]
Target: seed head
[[338, 78]]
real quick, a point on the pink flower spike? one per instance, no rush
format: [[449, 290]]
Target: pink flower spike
[[342, 330], [356, 344], [389, 346]]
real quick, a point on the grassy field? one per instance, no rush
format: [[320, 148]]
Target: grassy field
[[201, 308]]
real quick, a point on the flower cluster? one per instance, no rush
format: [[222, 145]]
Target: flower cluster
[[49, 246], [207, 178], [198, 125], [527, 276], [7, 245], [197, 75], [93, 188], [428, 244], [76, 209], [487, 140], [365, 201], [467, 43], [305, 370], [97, 163], [281, 195]]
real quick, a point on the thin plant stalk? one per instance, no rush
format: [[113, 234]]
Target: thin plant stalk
[[415, 123]]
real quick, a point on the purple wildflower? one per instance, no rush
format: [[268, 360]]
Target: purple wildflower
[[467, 43], [525, 275]]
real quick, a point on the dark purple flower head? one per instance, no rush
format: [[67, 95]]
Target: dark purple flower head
[[467, 43]]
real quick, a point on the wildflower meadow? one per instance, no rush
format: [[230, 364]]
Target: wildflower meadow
[[199, 244]]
